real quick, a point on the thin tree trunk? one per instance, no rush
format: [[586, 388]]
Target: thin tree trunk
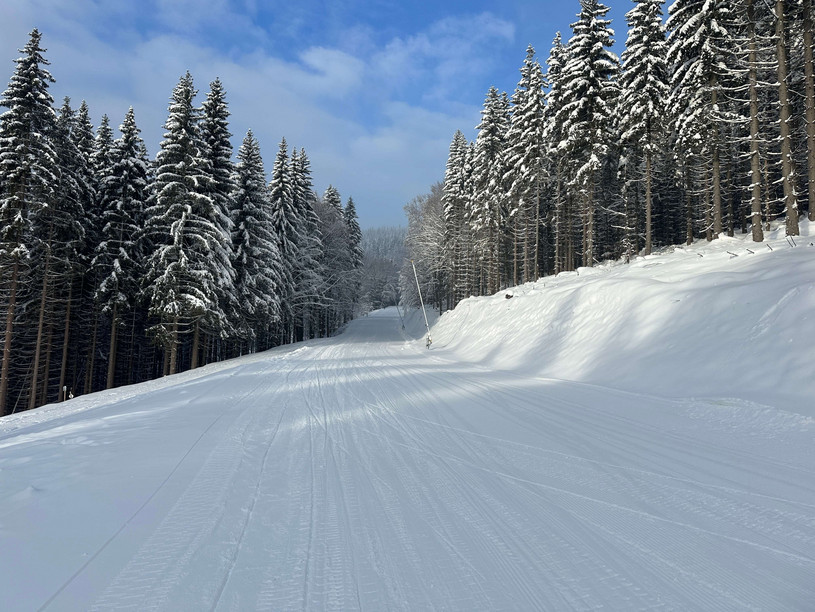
[[717, 172], [648, 203], [516, 247], [49, 346], [196, 343], [755, 158], [32, 398], [688, 209], [66, 336], [92, 352], [787, 167], [588, 257], [768, 212], [114, 345], [536, 274], [558, 224], [809, 80], [174, 347], [4, 370], [132, 351], [731, 214], [708, 215]]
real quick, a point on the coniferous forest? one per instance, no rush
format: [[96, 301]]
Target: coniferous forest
[[704, 126], [115, 268]]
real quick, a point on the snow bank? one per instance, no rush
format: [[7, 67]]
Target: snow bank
[[726, 319]]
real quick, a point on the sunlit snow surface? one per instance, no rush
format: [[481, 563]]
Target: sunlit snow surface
[[630, 437]]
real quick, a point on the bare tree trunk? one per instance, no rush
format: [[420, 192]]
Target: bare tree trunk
[[196, 339], [648, 204], [755, 158], [731, 213], [66, 336], [174, 347], [4, 370], [559, 243], [131, 353], [787, 167], [49, 346], [516, 247], [708, 215], [809, 79], [688, 207], [588, 254], [768, 210], [114, 346], [536, 273], [92, 352], [717, 172], [570, 261], [32, 398]]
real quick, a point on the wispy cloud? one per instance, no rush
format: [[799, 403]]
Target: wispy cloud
[[447, 53]]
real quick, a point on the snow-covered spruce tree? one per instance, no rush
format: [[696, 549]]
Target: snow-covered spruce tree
[[256, 259], [354, 251], [487, 207], [526, 169], [190, 263], [118, 260], [308, 273], [454, 203], [471, 274], [101, 163], [285, 224], [563, 231], [80, 315], [700, 52], [643, 91], [60, 254], [336, 261], [588, 89], [218, 154], [354, 233], [29, 170]]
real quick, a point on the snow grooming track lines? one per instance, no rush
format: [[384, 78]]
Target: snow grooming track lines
[[365, 472], [126, 523], [249, 511], [718, 509], [147, 501], [146, 581]]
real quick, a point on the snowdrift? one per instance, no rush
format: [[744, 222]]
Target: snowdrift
[[726, 319]]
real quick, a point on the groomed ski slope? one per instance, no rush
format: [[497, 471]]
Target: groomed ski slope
[[366, 472]]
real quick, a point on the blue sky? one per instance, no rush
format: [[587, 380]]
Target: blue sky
[[372, 90]]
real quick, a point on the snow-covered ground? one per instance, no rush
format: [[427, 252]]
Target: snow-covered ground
[[729, 318], [629, 437]]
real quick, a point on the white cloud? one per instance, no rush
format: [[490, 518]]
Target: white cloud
[[448, 52], [352, 109]]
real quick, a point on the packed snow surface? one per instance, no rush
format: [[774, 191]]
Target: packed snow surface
[[630, 437]]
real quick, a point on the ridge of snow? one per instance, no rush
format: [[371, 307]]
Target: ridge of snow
[[726, 319]]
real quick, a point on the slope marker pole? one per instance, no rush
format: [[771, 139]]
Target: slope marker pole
[[421, 301]]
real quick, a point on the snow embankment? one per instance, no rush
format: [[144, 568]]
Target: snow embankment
[[726, 319]]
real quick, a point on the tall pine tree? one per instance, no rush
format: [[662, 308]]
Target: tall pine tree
[[29, 166], [257, 262]]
